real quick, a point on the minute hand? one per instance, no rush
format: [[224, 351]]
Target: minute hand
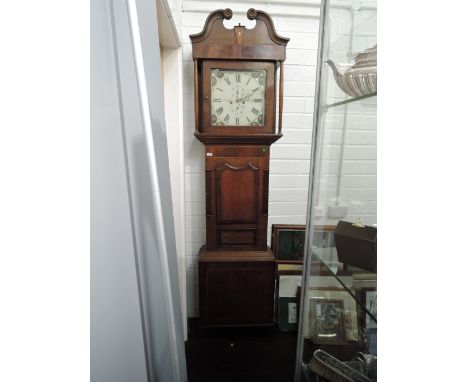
[[247, 96]]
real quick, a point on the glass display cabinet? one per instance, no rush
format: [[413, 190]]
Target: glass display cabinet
[[337, 332]]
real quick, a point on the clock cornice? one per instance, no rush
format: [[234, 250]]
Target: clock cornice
[[260, 42]]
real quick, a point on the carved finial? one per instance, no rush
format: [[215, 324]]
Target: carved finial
[[239, 30], [251, 14], [227, 13]]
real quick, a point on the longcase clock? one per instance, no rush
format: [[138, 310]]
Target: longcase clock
[[237, 97]]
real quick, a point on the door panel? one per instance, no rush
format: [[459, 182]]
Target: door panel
[[237, 237], [236, 197], [237, 192]]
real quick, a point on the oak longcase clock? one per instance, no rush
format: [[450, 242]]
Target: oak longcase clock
[[238, 80]]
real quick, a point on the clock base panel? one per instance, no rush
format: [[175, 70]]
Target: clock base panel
[[236, 288]]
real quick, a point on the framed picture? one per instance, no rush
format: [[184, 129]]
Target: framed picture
[[287, 241], [326, 319], [350, 313], [369, 298]]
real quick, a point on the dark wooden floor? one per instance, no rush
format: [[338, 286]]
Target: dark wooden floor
[[240, 354]]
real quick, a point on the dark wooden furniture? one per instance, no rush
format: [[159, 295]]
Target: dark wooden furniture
[[235, 79], [236, 287]]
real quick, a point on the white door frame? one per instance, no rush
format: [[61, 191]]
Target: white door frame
[[172, 76]]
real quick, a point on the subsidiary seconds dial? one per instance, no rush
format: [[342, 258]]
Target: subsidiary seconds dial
[[237, 97]]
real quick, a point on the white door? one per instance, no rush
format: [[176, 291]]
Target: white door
[[136, 320]]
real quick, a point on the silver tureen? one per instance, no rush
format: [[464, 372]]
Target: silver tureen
[[361, 78]]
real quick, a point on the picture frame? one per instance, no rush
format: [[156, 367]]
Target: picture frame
[[287, 241], [327, 321], [350, 311], [369, 300]]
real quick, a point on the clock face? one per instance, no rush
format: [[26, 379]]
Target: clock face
[[237, 97]]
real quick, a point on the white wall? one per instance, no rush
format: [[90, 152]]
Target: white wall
[[290, 156]]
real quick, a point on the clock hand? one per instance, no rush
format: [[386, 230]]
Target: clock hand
[[251, 94], [237, 100], [247, 96], [238, 106], [237, 96]]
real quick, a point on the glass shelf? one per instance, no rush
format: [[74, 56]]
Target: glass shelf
[[349, 100], [338, 299]]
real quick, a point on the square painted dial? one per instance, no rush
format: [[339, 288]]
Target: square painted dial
[[237, 97]]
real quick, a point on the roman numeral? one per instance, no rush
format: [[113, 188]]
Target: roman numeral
[[219, 110], [248, 119], [253, 91], [220, 89], [227, 80], [216, 99], [237, 77], [248, 80], [237, 121], [258, 100], [255, 111], [226, 118]]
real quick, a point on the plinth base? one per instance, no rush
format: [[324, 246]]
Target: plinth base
[[236, 287]]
